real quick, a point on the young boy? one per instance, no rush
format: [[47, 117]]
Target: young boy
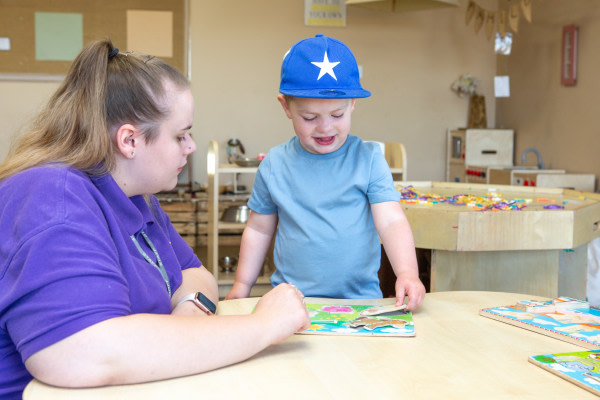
[[329, 196]]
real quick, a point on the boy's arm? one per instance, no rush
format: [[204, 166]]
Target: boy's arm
[[397, 239], [256, 241]]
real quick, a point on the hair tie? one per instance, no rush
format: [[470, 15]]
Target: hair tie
[[113, 53]]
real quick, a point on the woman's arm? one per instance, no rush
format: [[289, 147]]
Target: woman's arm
[[194, 280], [147, 347]]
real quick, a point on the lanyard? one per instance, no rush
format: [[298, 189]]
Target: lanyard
[[160, 267]]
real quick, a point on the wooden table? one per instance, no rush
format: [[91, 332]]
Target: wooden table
[[533, 250], [456, 354]]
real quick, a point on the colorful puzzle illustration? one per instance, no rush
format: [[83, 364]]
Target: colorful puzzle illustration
[[566, 319], [581, 368], [333, 319]]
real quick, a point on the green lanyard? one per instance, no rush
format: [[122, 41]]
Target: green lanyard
[[160, 267]]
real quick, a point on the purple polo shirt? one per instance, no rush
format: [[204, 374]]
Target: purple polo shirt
[[67, 261]]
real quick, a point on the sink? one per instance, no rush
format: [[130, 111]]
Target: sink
[[519, 167]]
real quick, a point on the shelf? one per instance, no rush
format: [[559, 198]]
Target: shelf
[[235, 169], [231, 226], [227, 278], [219, 233]]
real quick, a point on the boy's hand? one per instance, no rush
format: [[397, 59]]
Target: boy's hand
[[412, 287], [238, 291]]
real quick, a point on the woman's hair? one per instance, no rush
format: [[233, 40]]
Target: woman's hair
[[103, 90]]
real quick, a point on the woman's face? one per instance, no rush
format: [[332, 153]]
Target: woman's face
[[159, 162]]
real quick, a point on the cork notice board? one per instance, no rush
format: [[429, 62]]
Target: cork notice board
[[45, 36]]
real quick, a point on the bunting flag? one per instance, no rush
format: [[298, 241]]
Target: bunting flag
[[479, 18], [470, 11], [526, 8], [498, 21], [490, 23], [502, 23], [513, 17]]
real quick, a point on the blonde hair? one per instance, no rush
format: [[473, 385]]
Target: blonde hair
[[99, 94]]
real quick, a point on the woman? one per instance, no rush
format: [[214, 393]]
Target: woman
[[94, 280]]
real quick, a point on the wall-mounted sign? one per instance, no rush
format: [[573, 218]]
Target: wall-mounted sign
[[325, 12], [568, 70]]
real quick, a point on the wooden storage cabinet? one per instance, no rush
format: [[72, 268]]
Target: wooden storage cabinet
[[471, 151], [183, 214], [226, 236]]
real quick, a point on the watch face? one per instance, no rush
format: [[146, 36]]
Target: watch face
[[206, 302]]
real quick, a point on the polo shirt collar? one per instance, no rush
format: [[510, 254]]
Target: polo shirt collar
[[133, 212]]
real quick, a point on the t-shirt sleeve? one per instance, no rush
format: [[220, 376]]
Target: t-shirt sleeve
[[68, 279], [381, 184], [260, 200]]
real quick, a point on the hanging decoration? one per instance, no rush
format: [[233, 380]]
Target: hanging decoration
[[497, 21], [465, 86]]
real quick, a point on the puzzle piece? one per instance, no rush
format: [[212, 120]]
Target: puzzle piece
[[382, 310], [374, 323]]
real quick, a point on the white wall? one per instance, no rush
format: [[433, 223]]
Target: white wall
[[560, 121], [19, 103], [409, 60]]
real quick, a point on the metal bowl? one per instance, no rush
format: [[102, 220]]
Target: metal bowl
[[238, 214], [246, 161], [227, 263]]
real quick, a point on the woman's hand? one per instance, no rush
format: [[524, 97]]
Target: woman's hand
[[283, 311]]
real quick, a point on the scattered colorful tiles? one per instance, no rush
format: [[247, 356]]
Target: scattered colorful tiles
[[328, 319], [491, 201]]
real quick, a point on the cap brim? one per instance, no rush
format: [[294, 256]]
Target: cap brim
[[327, 93]]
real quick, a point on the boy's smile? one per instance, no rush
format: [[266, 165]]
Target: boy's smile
[[325, 141], [322, 125]]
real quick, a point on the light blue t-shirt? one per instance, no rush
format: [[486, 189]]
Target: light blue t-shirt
[[326, 243]]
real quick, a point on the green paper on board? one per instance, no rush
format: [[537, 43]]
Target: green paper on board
[[58, 36]]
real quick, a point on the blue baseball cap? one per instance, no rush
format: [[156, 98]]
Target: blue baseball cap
[[321, 67]]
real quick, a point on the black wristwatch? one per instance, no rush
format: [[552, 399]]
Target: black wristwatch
[[201, 301]]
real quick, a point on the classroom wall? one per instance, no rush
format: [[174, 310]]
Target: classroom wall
[[560, 121], [19, 102], [409, 60]]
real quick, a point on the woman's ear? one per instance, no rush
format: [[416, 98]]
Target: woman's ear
[[127, 140]]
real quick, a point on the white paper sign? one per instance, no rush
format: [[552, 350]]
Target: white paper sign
[[4, 43], [325, 13], [501, 86]]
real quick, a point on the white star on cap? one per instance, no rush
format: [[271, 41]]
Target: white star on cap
[[326, 67]]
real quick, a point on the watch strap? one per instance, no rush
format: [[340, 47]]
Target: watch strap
[[201, 301]]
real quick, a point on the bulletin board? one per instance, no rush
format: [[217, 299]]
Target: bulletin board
[[26, 24]]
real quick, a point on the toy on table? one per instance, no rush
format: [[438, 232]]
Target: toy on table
[[581, 368], [563, 318], [359, 320]]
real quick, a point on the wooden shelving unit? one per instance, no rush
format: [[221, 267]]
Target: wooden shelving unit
[[221, 233]]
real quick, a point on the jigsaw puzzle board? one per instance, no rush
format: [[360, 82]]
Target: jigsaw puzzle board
[[580, 327], [581, 368], [337, 319]]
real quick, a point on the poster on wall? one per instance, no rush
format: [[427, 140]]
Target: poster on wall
[[150, 32], [325, 13], [58, 36]]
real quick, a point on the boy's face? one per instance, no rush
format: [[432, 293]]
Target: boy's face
[[322, 125]]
